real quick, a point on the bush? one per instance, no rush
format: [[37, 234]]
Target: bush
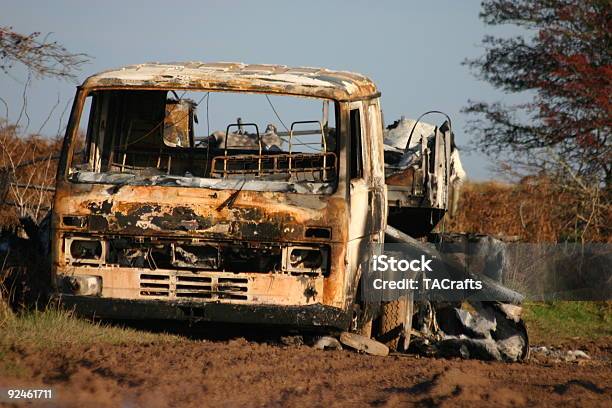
[[534, 210]]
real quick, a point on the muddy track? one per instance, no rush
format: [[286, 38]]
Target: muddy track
[[246, 373]]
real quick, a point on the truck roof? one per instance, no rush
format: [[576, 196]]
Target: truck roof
[[236, 76]]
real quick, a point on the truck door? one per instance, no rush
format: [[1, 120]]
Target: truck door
[[367, 193], [376, 183], [359, 189]]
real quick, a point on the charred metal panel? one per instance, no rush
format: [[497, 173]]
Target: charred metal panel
[[177, 128], [159, 211], [314, 82], [244, 288], [154, 215], [311, 317]]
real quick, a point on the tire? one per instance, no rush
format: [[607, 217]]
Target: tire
[[396, 323]]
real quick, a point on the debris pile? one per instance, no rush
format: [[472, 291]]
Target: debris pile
[[424, 157], [490, 331], [560, 355]]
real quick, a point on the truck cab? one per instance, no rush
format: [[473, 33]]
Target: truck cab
[[175, 201]]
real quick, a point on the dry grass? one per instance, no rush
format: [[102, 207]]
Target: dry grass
[[16, 150], [534, 210]]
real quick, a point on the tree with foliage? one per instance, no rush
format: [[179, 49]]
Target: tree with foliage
[[562, 66], [563, 63]]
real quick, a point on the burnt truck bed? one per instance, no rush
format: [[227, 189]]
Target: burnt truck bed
[[417, 174], [411, 213]]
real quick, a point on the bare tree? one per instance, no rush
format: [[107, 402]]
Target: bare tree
[[27, 162], [27, 167], [42, 57]]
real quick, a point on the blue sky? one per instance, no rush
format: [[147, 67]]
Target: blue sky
[[412, 50]]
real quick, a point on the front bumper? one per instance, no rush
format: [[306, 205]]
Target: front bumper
[[308, 317]]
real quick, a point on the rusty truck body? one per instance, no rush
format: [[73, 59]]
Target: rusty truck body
[[151, 220], [167, 208]]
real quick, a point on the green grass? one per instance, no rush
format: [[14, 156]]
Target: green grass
[[563, 320], [55, 327]]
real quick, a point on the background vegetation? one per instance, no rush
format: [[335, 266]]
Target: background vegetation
[[558, 141]]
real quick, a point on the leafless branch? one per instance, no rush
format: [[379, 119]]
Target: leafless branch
[[5, 107], [49, 115], [42, 57], [24, 104]]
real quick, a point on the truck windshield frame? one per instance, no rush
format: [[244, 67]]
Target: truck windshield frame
[[138, 136]]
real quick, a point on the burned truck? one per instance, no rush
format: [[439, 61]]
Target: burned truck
[[176, 200]]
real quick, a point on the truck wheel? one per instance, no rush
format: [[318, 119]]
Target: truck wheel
[[396, 323]]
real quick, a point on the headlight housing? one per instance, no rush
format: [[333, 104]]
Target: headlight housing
[[80, 250], [306, 259], [82, 285]]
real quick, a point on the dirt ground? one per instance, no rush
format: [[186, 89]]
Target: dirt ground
[[238, 372]]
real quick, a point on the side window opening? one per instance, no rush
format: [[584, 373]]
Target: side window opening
[[82, 150], [356, 159]]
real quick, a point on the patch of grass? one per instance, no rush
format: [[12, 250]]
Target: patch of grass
[[562, 320], [40, 330], [55, 327]]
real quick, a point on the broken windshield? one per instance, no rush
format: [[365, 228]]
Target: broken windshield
[[204, 139]]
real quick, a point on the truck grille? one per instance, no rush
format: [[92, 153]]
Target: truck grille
[[194, 286]]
